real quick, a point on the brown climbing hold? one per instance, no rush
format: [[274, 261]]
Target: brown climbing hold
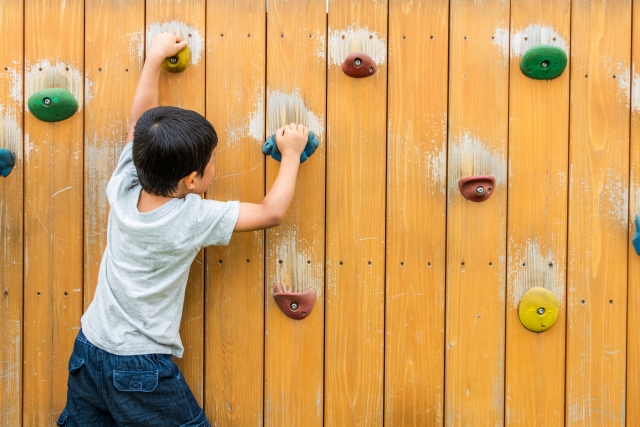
[[296, 305], [477, 188], [359, 65]]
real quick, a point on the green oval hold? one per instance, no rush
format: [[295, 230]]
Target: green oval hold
[[53, 104], [543, 62]]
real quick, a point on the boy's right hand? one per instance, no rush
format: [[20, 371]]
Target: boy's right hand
[[292, 139], [165, 45]]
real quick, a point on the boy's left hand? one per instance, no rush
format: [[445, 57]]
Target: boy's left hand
[[165, 45]]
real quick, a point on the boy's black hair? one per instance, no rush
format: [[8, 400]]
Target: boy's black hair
[[168, 144]]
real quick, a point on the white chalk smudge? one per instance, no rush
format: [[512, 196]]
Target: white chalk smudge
[[320, 47], [622, 77], [344, 42], [539, 270], [252, 126], [533, 35], [195, 41], [134, 43], [10, 133], [29, 147], [635, 93], [283, 108], [617, 198], [501, 39], [44, 75], [469, 156], [295, 273]]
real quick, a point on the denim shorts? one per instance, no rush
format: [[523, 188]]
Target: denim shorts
[[105, 389]]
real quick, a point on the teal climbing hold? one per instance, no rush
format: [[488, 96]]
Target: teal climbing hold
[[7, 161], [52, 105], [271, 148], [636, 237], [544, 62]]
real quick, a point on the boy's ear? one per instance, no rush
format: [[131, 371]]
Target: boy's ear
[[190, 180]]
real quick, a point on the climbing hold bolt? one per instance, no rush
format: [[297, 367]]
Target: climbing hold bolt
[[179, 61], [358, 65], [271, 148], [7, 161], [538, 309], [543, 62], [294, 306], [52, 105], [477, 188], [636, 237]]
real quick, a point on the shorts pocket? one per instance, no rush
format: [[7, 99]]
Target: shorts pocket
[[145, 381], [62, 420], [75, 363]]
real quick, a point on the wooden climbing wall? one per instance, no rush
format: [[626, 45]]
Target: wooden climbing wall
[[416, 318]]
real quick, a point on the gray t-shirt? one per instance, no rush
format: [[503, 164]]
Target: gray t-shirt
[[143, 274]]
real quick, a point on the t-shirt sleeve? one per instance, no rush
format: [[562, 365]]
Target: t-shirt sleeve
[[215, 222], [125, 173]]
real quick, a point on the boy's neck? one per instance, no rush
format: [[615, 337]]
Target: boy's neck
[[148, 202]]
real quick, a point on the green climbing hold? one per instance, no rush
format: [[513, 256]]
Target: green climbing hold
[[52, 105], [543, 62], [179, 61]]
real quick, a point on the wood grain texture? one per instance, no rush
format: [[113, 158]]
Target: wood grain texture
[[11, 208], [355, 236], [537, 215], [633, 306], [114, 48], [296, 85], [416, 212], [186, 19], [53, 208], [234, 292], [476, 232], [598, 213]]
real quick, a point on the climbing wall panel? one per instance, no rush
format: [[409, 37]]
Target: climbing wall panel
[[598, 213], [113, 66], [234, 289], [355, 239], [296, 84], [185, 90], [11, 208], [53, 208], [633, 308], [537, 212], [478, 131], [416, 212]]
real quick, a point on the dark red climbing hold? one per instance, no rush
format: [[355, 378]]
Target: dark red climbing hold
[[477, 188], [359, 65], [296, 305]]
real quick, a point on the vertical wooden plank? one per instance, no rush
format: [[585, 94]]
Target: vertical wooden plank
[[476, 232], [11, 204], [633, 307], [296, 84], [598, 213], [416, 212], [234, 305], [186, 18], [537, 215], [355, 230], [53, 208], [114, 47]]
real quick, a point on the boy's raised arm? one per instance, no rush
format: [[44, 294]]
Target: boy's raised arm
[[163, 45], [291, 140]]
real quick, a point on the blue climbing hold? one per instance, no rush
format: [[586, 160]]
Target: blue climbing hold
[[7, 160], [636, 237], [271, 148]]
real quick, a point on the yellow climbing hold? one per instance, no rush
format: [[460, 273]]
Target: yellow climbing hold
[[179, 61], [538, 309]]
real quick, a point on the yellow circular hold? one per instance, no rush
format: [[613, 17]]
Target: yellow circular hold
[[179, 61], [538, 309]]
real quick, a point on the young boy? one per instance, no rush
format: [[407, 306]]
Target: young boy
[[120, 370]]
